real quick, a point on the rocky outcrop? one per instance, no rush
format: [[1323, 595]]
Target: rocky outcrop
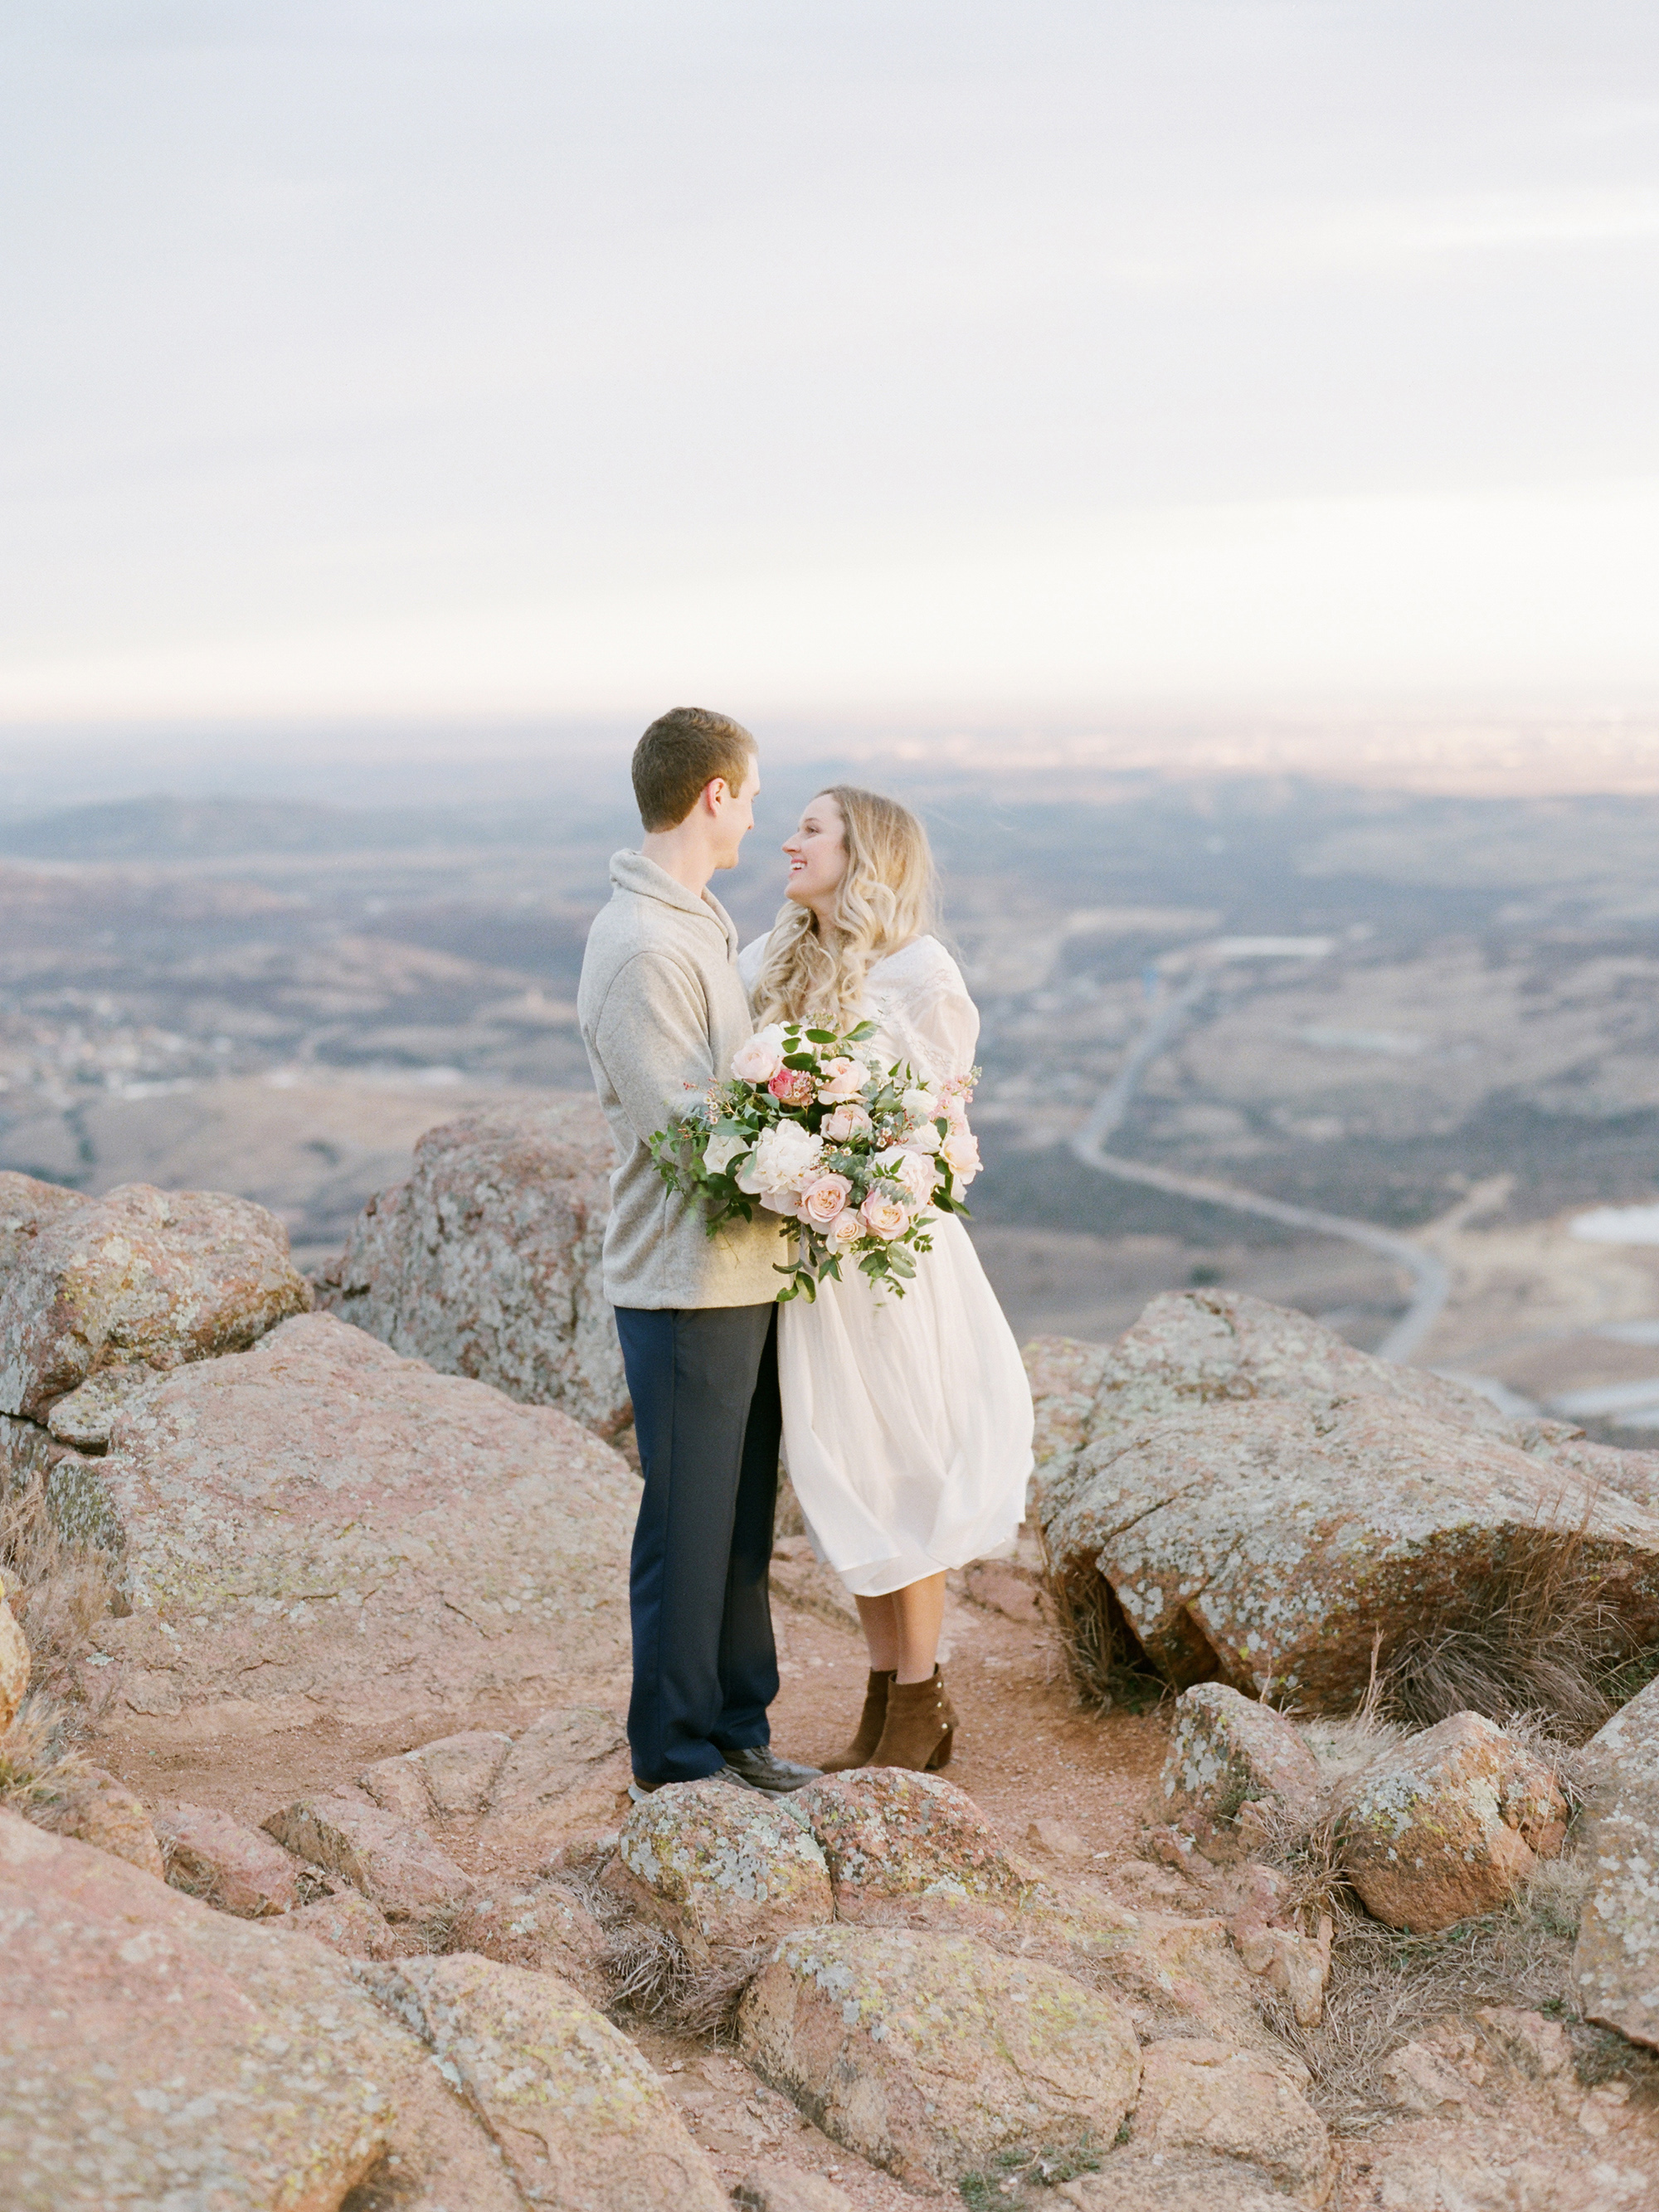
[[723, 1869], [396, 1865], [213, 1856], [155, 2052], [1447, 1823], [888, 1834], [1261, 1498], [1208, 2097], [1615, 1964], [529, 1790], [140, 1276], [1230, 1758], [577, 2113], [931, 2054], [79, 1800], [319, 1527], [486, 1261]]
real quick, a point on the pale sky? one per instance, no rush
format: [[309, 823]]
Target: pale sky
[[1058, 357]]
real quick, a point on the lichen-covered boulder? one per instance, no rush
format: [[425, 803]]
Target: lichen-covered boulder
[[1260, 1497], [138, 1276], [1197, 2095], [394, 1863], [1228, 1753], [1266, 1541], [1615, 1964], [722, 1868], [914, 1850], [486, 1261], [931, 2054], [211, 1855], [349, 1924], [576, 2111], [889, 1833], [154, 2052], [1447, 1823], [317, 1529]]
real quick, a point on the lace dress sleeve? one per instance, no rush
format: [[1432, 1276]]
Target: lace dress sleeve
[[926, 1009]]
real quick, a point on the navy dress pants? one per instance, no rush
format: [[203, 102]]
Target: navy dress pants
[[708, 1418]]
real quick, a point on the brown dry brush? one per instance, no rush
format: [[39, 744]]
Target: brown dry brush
[[57, 1595], [652, 1975], [1534, 1636]]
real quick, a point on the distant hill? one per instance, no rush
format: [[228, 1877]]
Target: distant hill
[[167, 829]]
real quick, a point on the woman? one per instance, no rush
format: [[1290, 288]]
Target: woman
[[906, 1421]]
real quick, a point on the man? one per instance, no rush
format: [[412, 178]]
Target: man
[[662, 1010]]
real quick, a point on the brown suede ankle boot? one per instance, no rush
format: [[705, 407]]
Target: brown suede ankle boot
[[921, 1726], [870, 1723]]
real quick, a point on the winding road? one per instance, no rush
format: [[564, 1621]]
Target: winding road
[[1430, 1280]]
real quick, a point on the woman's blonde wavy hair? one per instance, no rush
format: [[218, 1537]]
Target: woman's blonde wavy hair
[[889, 895]]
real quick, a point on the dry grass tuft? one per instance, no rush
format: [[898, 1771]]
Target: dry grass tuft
[[37, 1758], [1101, 1653], [650, 1973], [58, 1593], [1536, 1639], [1387, 1988]]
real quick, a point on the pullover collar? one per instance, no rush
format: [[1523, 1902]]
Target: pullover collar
[[632, 873]]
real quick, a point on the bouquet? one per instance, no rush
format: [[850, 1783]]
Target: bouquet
[[860, 1157]]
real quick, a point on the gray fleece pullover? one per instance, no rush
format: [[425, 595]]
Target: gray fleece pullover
[[662, 1010]]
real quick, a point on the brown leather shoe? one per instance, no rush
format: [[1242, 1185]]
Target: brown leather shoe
[[870, 1723], [921, 1726]]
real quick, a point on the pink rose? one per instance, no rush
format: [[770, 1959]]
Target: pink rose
[[885, 1216], [919, 1175], [842, 1080], [961, 1149], [792, 1086], [823, 1199], [759, 1061], [846, 1123], [845, 1229]]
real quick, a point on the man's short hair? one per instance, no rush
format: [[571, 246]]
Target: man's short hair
[[681, 752]]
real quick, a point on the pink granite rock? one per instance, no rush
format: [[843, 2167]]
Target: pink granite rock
[[578, 2113], [928, 2054], [395, 1865], [1267, 1541], [486, 1261], [93, 1807], [1260, 1498], [319, 1528], [213, 1856], [887, 1833], [1615, 1964], [139, 1275], [1198, 2095], [157, 2052], [1447, 1823], [1227, 1751], [722, 1868]]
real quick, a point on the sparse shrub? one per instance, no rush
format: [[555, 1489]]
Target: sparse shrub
[[1536, 1639], [1102, 1652], [57, 1592]]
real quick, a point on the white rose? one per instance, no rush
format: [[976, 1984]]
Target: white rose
[[785, 1155], [759, 1061], [722, 1152], [919, 1105], [915, 1173]]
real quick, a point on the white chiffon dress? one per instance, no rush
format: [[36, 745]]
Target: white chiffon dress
[[907, 1422]]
